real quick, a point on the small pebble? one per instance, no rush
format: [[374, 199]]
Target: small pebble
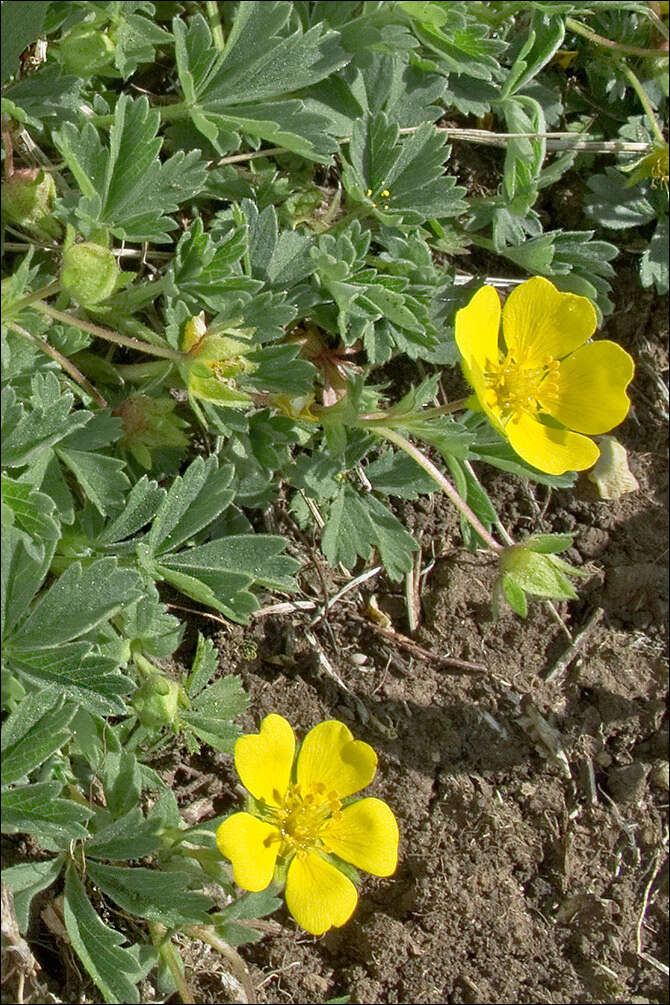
[[358, 659], [659, 776]]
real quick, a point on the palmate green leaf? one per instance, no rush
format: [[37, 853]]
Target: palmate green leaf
[[47, 94], [456, 41], [101, 478], [37, 809], [136, 38], [25, 433], [25, 563], [79, 600], [228, 594], [279, 259], [384, 83], [148, 626], [125, 187], [193, 500], [224, 699], [159, 896], [615, 203], [256, 556], [27, 879], [131, 836], [121, 781], [238, 89], [209, 274], [139, 508], [81, 672], [410, 170], [114, 969], [32, 512], [544, 38], [36, 729], [356, 524], [397, 474], [249, 907]]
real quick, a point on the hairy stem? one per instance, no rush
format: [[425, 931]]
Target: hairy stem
[[109, 336], [644, 99], [214, 18], [444, 483], [62, 361], [606, 43]]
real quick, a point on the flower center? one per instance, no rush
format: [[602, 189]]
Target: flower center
[[516, 386], [302, 816]]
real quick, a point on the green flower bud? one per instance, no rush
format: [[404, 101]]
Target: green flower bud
[[86, 51], [157, 702], [27, 201], [89, 273], [149, 423]]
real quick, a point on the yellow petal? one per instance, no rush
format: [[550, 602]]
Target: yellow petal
[[330, 760], [264, 760], [539, 322], [484, 397], [318, 895], [477, 328], [592, 388], [252, 845], [552, 450], [365, 834]]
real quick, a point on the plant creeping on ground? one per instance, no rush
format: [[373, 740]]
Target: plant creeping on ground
[[228, 229]]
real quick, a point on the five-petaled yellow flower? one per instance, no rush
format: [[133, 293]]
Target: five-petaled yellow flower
[[299, 817], [549, 385]]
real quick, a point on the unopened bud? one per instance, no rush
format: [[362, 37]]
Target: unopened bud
[[89, 273]]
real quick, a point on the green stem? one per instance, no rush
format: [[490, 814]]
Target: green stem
[[214, 18], [644, 99], [444, 483], [168, 954], [62, 361], [45, 291], [629, 50], [388, 419], [176, 110], [109, 336], [142, 371]]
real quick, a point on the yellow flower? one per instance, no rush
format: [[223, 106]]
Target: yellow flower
[[549, 385], [299, 817], [215, 366]]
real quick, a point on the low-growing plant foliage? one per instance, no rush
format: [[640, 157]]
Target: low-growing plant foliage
[[221, 222]]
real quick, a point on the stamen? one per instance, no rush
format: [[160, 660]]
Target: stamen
[[515, 387], [302, 817]]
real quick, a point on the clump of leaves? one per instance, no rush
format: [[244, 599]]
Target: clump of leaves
[[221, 221]]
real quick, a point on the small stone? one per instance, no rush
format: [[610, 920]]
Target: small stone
[[626, 784], [659, 776], [358, 659]]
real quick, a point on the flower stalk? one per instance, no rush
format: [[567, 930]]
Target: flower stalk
[[107, 334], [444, 483]]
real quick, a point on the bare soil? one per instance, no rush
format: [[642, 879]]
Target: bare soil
[[533, 812]]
